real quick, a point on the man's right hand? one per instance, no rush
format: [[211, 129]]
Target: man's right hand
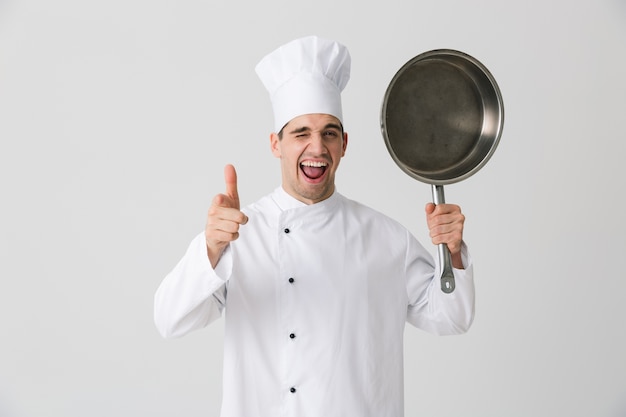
[[224, 218]]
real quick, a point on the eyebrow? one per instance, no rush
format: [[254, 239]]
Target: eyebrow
[[306, 128]]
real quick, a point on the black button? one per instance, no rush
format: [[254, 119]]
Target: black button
[[292, 390], [292, 335], [286, 230], [291, 280]]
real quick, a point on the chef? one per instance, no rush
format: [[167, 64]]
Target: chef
[[315, 288]]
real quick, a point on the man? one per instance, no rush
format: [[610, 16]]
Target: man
[[316, 288]]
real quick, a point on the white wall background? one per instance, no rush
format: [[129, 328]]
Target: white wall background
[[116, 118]]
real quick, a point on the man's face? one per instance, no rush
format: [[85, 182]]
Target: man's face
[[310, 150]]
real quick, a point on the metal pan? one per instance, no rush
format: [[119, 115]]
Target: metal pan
[[442, 118]]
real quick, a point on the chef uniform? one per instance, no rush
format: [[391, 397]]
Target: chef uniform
[[316, 296]]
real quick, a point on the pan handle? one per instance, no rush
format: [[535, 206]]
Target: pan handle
[[447, 276]]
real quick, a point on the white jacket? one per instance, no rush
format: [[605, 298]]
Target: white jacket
[[316, 299]]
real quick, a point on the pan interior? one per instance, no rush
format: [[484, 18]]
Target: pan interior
[[438, 118]]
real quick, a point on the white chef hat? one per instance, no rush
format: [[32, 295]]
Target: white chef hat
[[305, 76]]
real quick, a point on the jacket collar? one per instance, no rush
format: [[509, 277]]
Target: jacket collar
[[284, 201]]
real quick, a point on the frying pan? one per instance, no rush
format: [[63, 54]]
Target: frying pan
[[442, 118]]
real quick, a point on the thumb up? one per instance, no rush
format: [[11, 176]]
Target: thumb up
[[224, 217]]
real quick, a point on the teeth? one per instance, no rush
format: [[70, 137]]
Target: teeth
[[314, 164]]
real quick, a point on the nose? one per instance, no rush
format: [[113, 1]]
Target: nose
[[316, 143]]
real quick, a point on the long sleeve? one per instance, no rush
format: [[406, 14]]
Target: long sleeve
[[434, 311], [193, 294]]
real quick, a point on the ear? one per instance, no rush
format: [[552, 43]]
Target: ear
[[345, 143], [275, 145]]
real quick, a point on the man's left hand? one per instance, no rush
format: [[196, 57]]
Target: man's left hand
[[445, 222]]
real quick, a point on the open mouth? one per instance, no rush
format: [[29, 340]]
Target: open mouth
[[313, 170]]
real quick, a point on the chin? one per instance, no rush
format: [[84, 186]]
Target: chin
[[317, 194]]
